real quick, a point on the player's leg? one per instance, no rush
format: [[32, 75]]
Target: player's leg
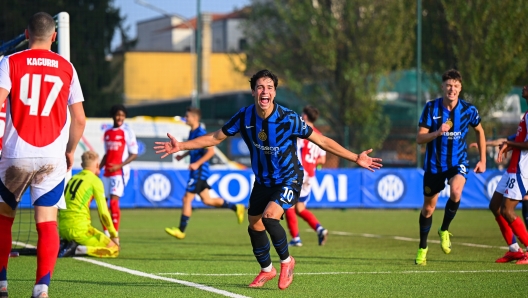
[[7, 216], [282, 198], [117, 190], [432, 185], [219, 202], [258, 237], [514, 252], [94, 243], [310, 218], [293, 227], [457, 180], [516, 193], [179, 232]]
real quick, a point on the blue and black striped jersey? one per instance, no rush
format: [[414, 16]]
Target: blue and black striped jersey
[[202, 173], [450, 149], [272, 144]]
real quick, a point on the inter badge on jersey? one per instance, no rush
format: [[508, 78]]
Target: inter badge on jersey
[[262, 135], [449, 122]]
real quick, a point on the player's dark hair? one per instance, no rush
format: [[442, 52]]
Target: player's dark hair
[[195, 111], [261, 74], [41, 26], [452, 74], [311, 112], [116, 108]]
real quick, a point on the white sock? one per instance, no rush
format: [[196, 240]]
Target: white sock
[[319, 229], [514, 247], [107, 233], [296, 239], [267, 269], [39, 288], [287, 260], [81, 250], [3, 283]]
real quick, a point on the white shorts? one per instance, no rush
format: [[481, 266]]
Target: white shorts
[[114, 185], [43, 175], [304, 197], [512, 186]]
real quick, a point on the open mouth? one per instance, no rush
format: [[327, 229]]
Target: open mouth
[[265, 100]]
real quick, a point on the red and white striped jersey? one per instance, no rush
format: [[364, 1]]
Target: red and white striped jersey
[[519, 159], [308, 153], [42, 84], [119, 142]]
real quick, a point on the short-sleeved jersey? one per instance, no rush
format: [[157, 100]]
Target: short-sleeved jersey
[[272, 143], [119, 142], [309, 153], [42, 84], [202, 173], [450, 149], [79, 192], [2, 122], [519, 158]]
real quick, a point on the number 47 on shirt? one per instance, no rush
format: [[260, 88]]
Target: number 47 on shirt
[[33, 101]]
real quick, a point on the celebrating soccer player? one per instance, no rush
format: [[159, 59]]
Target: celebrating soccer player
[[443, 127], [74, 223], [121, 148], [37, 148], [270, 131], [512, 189], [198, 178], [311, 156]]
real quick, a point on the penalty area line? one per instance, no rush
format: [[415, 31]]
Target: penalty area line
[[351, 273], [152, 276]]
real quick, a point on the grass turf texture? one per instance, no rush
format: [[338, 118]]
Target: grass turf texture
[[216, 244]]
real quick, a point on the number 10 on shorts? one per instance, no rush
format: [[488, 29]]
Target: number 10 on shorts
[[287, 195]]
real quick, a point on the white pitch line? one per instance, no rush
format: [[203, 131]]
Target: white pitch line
[[351, 273], [340, 233], [152, 276], [18, 243]]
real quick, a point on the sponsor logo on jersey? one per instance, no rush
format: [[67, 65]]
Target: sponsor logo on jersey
[[267, 149]]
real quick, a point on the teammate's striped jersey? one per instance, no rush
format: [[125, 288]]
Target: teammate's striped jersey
[[119, 142], [272, 143], [450, 149], [42, 84], [202, 173], [79, 192], [309, 153], [519, 158]]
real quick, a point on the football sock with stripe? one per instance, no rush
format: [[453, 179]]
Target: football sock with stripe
[[451, 209], [183, 222], [425, 227], [116, 213], [520, 231], [261, 247], [6, 223], [291, 220], [278, 237], [506, 230], [310, 219], [228, 205], [48, 249]]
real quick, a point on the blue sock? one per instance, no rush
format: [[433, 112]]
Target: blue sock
[[229, 205], [183, 222]]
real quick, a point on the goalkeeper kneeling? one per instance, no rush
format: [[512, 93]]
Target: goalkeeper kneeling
[[75, 225]]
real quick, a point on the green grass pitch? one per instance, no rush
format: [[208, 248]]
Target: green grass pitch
[[368, 254]]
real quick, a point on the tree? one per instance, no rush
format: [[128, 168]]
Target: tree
[[332, 53], [486, 40], [92, 27]]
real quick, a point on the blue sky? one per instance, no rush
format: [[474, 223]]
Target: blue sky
[[187, 8]]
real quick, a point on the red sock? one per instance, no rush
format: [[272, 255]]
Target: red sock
[[520, 230], [5, 245], [291, 219], [116, 213], [47, 250], [310, 219], [505, 228]]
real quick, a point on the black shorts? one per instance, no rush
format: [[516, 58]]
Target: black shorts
[[435, 183], [197, 186], [261, 195]]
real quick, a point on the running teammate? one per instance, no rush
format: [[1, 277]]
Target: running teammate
[[270, 131], [74, 222], [510, 190], [311, 156], [198, 176], [38, 147], [121, 148], [443, 127]]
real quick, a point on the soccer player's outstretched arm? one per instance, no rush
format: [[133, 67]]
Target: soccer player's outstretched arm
[[329, 145], [78, 122], [173, 146], [102, 209], [480, 167]]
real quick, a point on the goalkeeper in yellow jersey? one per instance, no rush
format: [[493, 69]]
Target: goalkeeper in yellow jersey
[[75, 225]]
